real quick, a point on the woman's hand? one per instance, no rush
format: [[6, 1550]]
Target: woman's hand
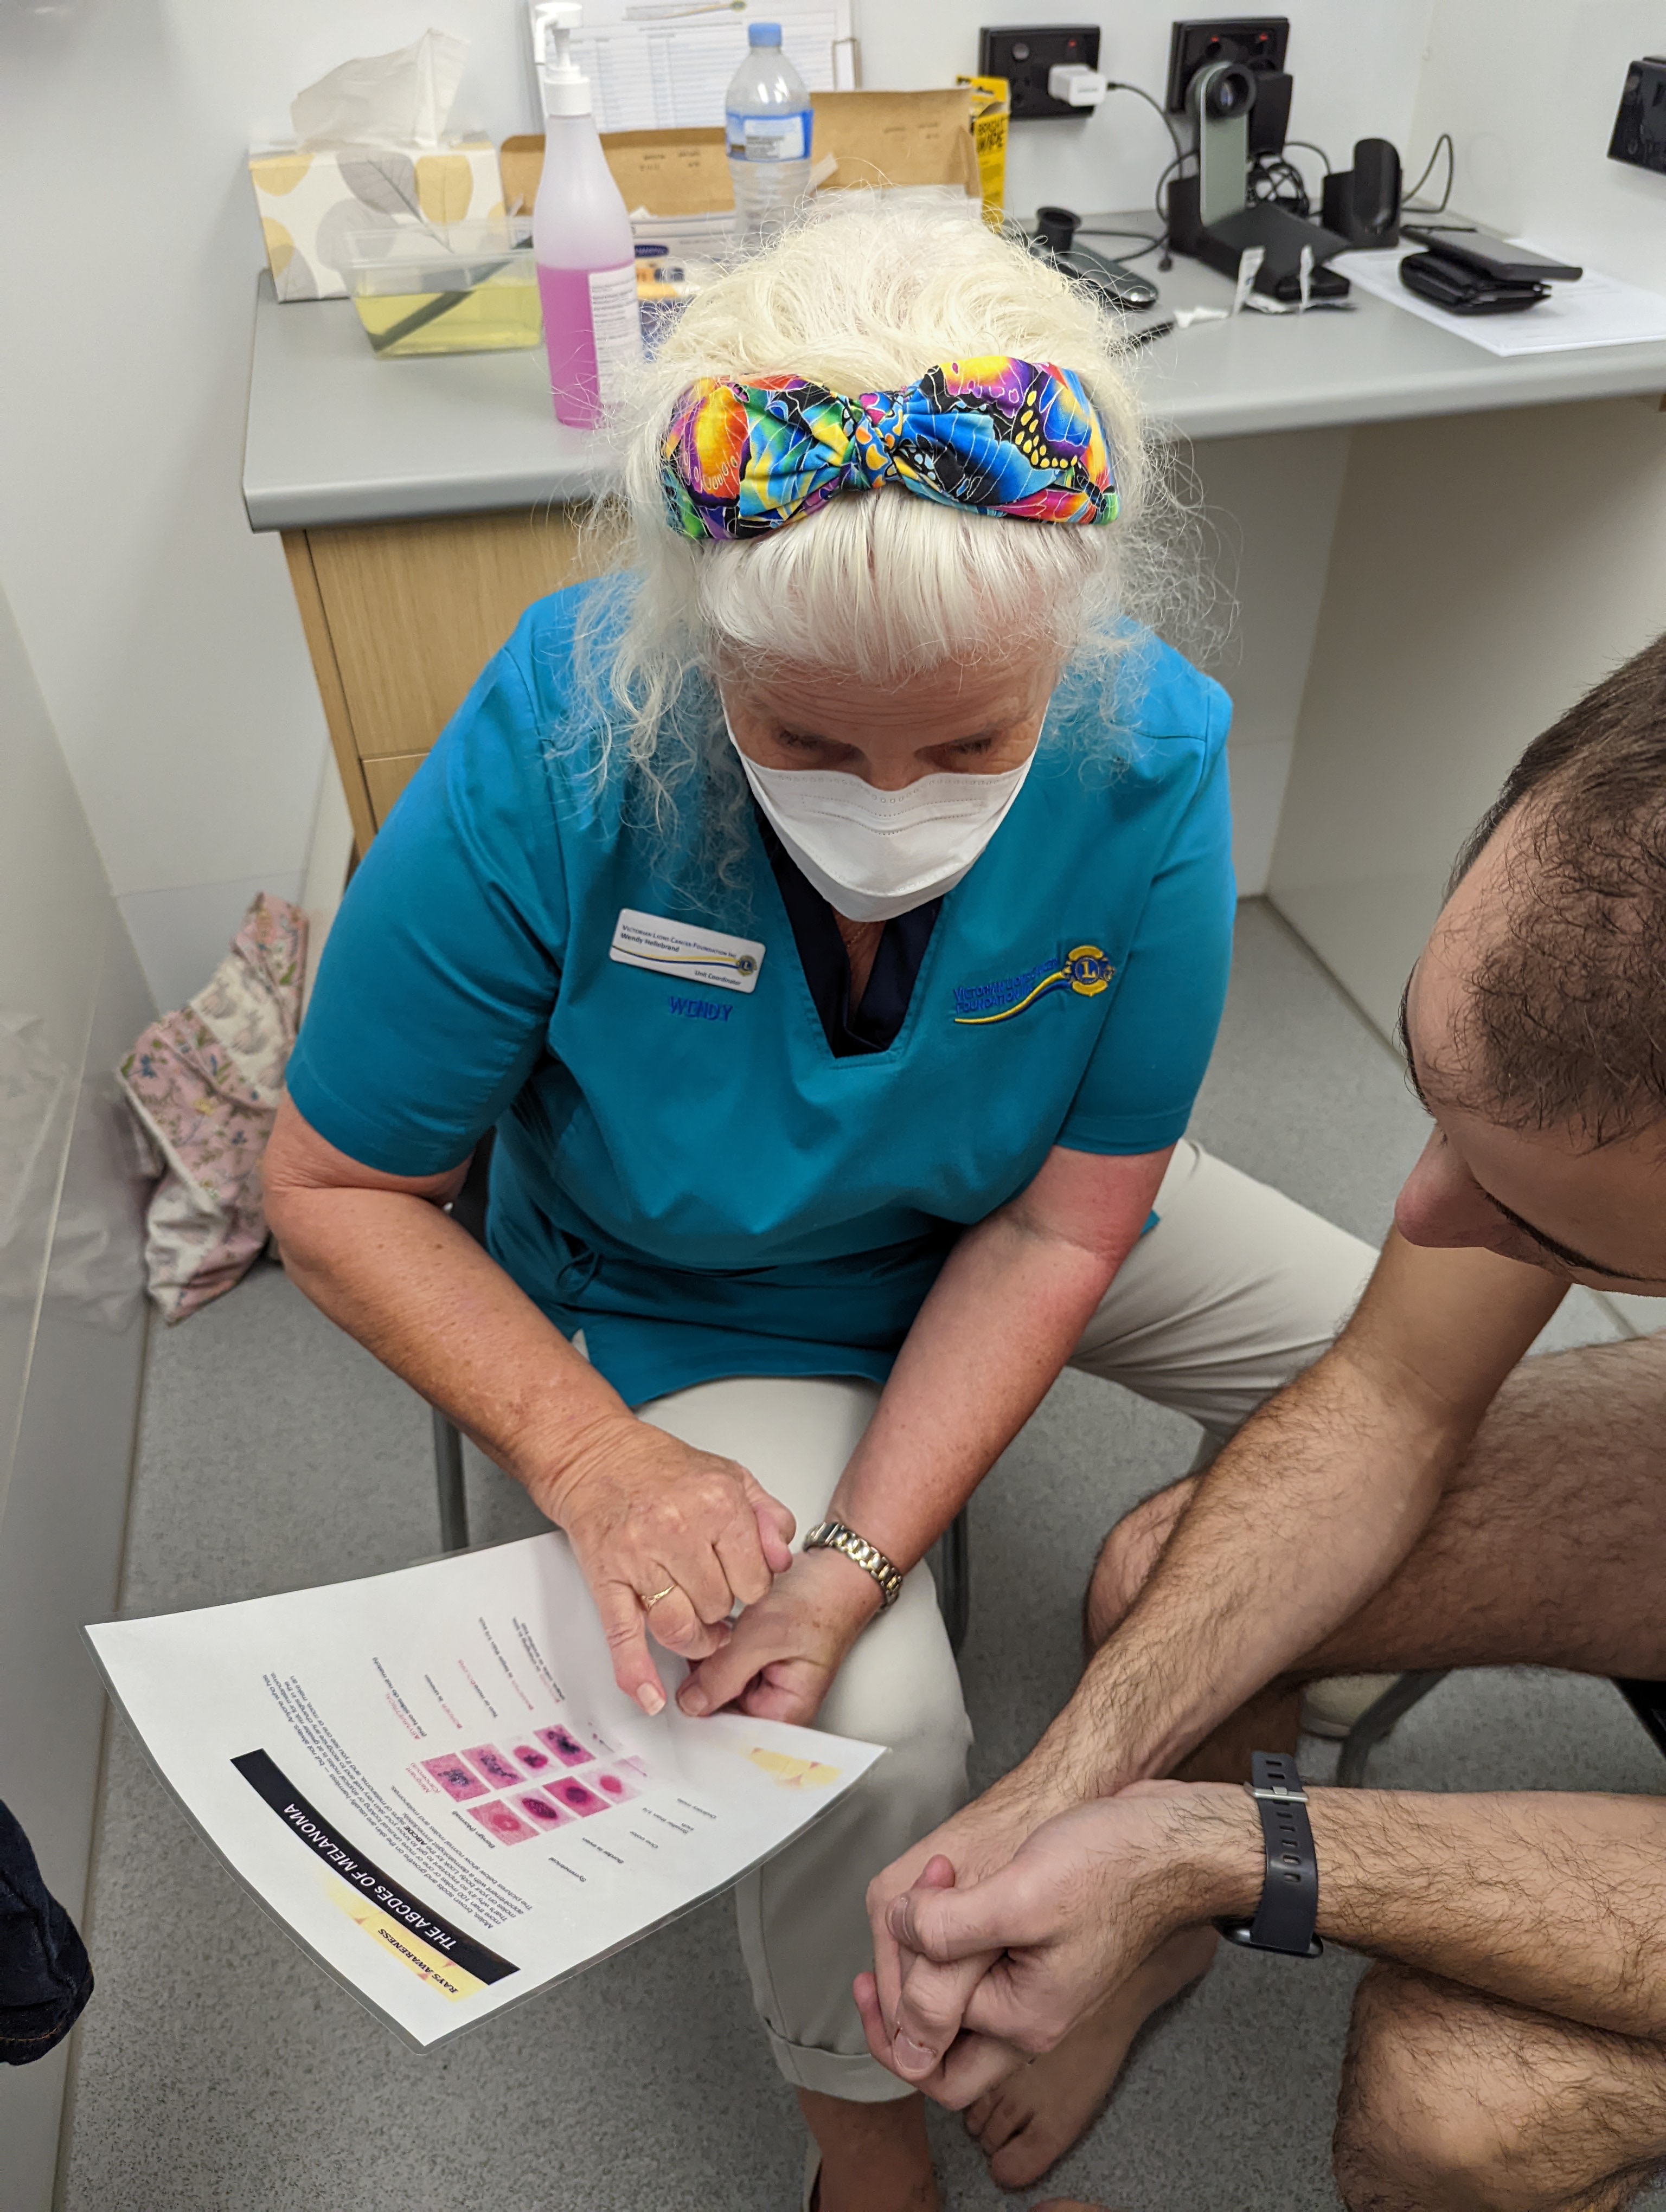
[[647, 1513], [784, 1650]]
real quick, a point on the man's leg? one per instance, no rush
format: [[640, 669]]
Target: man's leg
[[1454, 2102], [1235, 1291], [1546, 1550]]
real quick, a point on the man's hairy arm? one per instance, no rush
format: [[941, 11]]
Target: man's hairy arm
[[1557, 1902], [1554, 1903], [1304, 1515]]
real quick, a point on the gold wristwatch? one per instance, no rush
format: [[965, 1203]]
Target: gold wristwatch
[[834, 1536]]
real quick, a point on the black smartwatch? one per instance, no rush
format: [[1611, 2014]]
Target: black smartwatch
[[1289, 1907]]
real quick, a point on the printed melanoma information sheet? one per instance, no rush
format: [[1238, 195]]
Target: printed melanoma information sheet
[[430, 1778]]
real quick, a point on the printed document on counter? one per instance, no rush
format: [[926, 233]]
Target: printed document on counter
[[665, 64], [431, 1781]]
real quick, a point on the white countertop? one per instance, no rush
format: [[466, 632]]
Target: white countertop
[[336, 435]]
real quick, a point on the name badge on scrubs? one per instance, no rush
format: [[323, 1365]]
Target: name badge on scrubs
[[677, 948]]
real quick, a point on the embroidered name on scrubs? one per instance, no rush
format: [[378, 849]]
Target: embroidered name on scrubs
[[692, 955], [1084, 970], [699, 1010]]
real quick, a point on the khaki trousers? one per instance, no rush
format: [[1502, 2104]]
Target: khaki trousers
[[1234, 1291]]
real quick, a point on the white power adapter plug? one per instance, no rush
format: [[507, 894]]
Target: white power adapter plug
[[1077, 86]]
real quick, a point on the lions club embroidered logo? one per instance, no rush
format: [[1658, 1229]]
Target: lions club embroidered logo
[[1084, 970]]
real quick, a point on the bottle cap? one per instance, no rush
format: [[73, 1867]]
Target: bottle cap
[[763, 34]]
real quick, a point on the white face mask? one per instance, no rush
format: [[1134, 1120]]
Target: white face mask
[[875, 854]]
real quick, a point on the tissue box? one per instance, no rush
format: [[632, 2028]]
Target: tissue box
[[311, 203]]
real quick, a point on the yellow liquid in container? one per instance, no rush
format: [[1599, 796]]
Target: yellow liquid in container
[[492, 318]]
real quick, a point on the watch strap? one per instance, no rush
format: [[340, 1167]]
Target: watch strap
[[835, 1536], [1289, 1909]]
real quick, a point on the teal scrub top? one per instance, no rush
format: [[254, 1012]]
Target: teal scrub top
[[687, 1173]]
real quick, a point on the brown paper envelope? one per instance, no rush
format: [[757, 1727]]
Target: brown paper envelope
[[879, 137]]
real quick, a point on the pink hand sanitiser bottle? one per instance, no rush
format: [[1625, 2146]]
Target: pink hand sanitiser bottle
[[581, 241]]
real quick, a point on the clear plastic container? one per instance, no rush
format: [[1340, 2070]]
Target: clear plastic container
[[767, 124], [445, 288]]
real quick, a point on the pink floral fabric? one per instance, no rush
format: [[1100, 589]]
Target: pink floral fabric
[[204, 1084]]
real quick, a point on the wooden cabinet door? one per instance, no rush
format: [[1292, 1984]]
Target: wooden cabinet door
[[401, 617]]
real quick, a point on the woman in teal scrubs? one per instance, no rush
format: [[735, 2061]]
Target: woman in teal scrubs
[[830, 911]]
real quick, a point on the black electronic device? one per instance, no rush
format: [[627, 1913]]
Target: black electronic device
[[1463, 289], [1111, 282], [1362, 204], [1257, 44], [1025, 53], [1640, 128], [1491, 255], [1217, 69], [1280, 236]]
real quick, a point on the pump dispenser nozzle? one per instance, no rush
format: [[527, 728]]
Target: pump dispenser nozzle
[[566, 88]]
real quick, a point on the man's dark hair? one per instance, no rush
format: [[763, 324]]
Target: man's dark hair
[[1564, 1019]]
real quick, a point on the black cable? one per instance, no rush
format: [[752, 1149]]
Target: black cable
[[1308, 147], [1147, 243], [1118, 84], [1406, 198], [1178, 163], [1272, 180]]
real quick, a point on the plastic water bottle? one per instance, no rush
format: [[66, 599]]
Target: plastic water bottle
[[581, 239], [767, 125]]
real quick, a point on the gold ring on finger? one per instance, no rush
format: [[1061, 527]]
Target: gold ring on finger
[[648, 1604]]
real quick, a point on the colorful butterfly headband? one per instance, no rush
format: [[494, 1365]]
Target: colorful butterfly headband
[[993, 435]]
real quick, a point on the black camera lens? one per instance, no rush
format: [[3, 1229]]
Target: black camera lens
[[1232, 92]]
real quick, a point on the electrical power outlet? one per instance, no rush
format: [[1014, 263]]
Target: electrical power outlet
[[1639, 129], [1258, 41], [1024, 53]]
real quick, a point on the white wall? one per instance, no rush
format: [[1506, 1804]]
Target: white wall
[[1487, 569], [1529, 92], [71, 1331], [162, 632]]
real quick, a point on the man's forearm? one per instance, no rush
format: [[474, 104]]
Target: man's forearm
[[1557, 1903], [1320, 1500], [1302, 1517]]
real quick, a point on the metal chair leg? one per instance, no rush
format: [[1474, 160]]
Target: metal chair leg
[[954, 1579], [448, 1477], [1375, 1722]]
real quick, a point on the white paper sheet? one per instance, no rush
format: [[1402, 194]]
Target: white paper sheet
[[665, 64], [1597, 311], [430, 1780]]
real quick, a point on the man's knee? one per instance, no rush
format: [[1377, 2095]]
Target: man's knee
[[1126, 1558], [1433, 2116]]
